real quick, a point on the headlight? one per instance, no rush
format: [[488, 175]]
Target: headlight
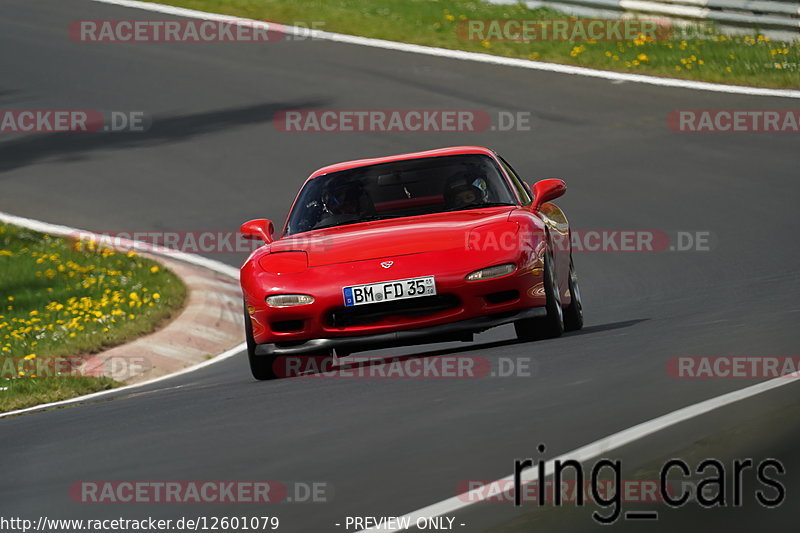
[[287, 300], [492, 272]]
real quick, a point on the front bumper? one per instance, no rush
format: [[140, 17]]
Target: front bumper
[[457, 301], [449, 331]]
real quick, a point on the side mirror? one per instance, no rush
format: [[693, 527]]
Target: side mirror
[[260, 228], [546, 190]]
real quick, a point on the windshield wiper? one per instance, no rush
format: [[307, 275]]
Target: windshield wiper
[[476, 205], [354, 221]]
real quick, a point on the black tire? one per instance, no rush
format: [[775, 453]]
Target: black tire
[[573, 314], [551, 325], [261, 366]]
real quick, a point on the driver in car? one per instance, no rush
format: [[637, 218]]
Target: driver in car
[[461, 192], [343, 200]]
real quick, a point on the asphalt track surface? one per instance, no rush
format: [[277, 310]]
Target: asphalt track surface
[[213, 159]]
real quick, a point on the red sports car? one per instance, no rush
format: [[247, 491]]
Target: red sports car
[[407, 249]]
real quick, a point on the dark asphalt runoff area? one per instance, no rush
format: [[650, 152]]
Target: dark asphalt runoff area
[[213, 158]]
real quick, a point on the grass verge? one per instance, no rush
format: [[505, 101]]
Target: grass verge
[[700, 53], [21, 393], [60, 298]]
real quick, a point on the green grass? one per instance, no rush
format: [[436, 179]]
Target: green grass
[[22, 393], [61, 298], [702, 54]]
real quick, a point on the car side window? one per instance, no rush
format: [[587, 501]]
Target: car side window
[[522, 190]]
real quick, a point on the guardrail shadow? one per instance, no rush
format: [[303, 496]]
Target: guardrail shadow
[[32, 148]]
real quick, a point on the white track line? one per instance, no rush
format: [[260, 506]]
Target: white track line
[[459, 54], [216, 266], [79, 399], [596, 449]]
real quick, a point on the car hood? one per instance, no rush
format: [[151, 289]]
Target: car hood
[[387, 238]]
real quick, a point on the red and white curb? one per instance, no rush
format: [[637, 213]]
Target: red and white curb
[[210, 323], [208, 329]]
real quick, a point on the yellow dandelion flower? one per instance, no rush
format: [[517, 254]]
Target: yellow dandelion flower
[[153, 269]]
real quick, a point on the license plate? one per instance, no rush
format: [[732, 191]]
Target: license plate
[[387, 291]]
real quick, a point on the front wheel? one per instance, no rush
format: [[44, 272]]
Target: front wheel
[[261, 366], [573, 314], [552, 324]]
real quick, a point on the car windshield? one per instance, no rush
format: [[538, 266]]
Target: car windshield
[[399, 189]]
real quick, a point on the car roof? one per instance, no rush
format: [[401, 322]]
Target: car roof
[[453, 150]]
